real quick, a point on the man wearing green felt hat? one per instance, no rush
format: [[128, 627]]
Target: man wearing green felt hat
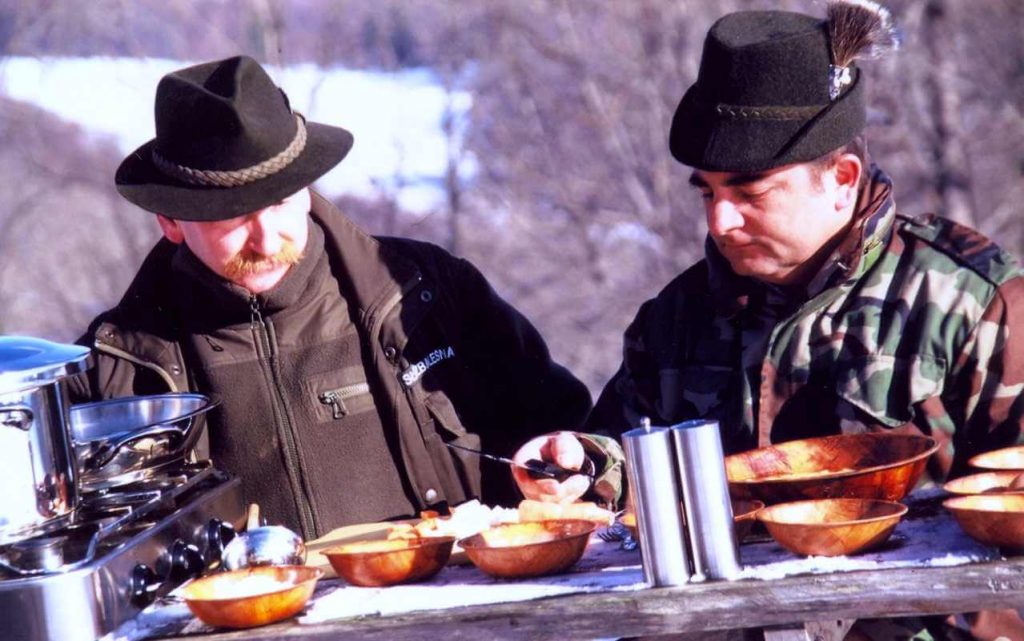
[[345, 364], [819, 308]]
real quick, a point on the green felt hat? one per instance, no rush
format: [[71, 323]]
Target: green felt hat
[[767, 95]]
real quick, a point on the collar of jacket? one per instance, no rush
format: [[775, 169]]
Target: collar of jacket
[[215, 302], [855, 254], [370, 275]]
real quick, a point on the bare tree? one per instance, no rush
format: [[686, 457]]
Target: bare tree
[[952, 176], [69, 245]]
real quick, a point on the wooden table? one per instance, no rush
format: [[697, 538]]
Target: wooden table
[[806, 606]]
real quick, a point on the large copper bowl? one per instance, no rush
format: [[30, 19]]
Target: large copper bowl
[[831, 527], [987, 483], [251, 596], [520, 550], [378, 563], [869, 466], [1007, 458], [993, 519]]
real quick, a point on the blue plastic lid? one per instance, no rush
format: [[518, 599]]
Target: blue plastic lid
[[27, 362]]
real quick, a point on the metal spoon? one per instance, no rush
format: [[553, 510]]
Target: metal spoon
[[263, 545]]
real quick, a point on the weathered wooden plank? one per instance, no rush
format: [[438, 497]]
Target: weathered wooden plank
[[692, 608]]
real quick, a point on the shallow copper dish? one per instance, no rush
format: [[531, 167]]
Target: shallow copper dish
[[744, 516], [831, 527], [252, 596], [993, 519], [987, 483], [870, 466], [377, 563], [1007, 458], [519, 550]]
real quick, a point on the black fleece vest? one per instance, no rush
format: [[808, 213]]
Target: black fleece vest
[[298, 422]]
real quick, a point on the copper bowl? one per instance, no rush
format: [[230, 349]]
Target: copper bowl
[[1011, 481], [251, 596], [378, 563], [831, 527], [868, 466], [993, 519], [744, 513], [1007, 458], [519, 550]]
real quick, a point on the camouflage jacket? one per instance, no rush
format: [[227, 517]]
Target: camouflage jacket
[[910, 324]]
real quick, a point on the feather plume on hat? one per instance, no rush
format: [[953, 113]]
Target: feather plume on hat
[[858, 29]]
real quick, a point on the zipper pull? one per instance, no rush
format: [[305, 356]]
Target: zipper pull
[[255, 317], [337, 407]]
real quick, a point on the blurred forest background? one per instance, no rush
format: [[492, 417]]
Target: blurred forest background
[[576, 212]]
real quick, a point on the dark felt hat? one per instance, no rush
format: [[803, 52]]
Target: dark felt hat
[[227, 143], [762, 97]]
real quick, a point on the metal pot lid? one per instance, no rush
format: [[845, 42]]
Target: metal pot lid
[[27, 362]]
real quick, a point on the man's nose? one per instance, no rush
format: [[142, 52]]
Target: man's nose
[[723, 217], [264, 236]]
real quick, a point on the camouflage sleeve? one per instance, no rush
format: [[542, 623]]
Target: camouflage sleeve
[[983, 396], [609, 461]]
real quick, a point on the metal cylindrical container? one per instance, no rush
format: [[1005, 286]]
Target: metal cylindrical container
[[709, 519], [37, 467], [653, 486]]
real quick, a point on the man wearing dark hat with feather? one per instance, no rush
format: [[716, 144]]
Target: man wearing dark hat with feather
[[344, 364], [818, 309]]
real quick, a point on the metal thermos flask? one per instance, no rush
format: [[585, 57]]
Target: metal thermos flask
[[654, 488], [709, 519]]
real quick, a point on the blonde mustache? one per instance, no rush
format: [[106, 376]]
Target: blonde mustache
[[247, 264]]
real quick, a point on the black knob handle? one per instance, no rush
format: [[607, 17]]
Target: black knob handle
[[187, 562], [143, 586], [217, 535]]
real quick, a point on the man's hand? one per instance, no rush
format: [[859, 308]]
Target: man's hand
[[562, 449]]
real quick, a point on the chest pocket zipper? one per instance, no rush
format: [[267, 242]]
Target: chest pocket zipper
[[336, 398]]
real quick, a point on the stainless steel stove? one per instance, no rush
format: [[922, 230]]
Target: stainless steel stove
[[125, 547]]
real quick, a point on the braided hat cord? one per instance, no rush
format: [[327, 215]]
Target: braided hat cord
[[236, 177]]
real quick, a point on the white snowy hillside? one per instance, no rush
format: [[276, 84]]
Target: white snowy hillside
[[396, 118]]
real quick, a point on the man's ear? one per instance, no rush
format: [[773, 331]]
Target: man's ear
[[171, 229], [847, 171]]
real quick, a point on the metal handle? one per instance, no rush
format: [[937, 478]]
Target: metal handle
[[17, 416], [252, 517], [106, 452]]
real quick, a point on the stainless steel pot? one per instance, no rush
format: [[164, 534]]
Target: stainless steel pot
[[124, 440], [38, 484]]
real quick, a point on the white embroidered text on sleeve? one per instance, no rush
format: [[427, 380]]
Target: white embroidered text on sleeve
[[416, 370]]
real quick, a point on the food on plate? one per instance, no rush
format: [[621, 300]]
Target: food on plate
[[519, 534], [466, 520], [530, 510], [251, 586], [472, 517]]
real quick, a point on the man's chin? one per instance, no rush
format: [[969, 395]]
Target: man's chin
[[757, 270], [263, 281]]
